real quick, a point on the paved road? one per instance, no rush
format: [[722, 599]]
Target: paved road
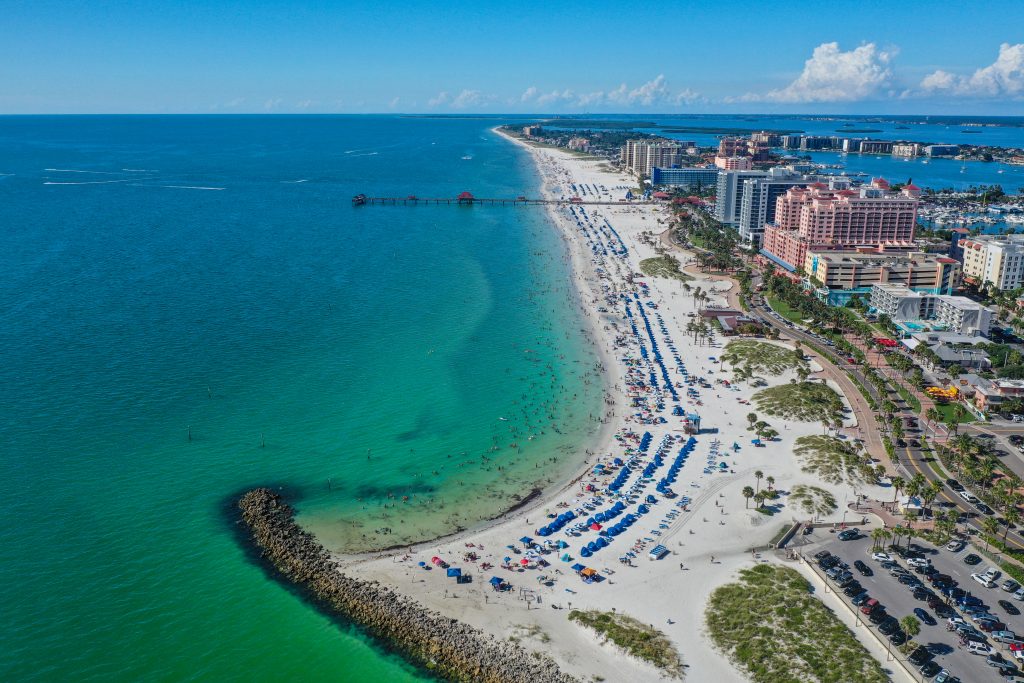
[[900, 602], [912, 461]]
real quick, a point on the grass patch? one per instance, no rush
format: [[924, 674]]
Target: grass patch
[[948, 413], [761, 357], [802, 401], [637, 639], [832, 459], [909, 398], [770, 622], [665, 265], [813, 500], [783, 309]]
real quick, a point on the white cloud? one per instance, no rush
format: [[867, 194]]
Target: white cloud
[[688, 96], [555, 96], [272, 103], [651, 92], [529, 94], [467, 98], [831, 75], [589, 98], [394, 102], [1003, 77], [441, 98], [305, 104]]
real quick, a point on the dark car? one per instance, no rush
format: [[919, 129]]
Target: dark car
[[920, 656], [863, 568], [983, 509], [940, 578], [924, 616], [943, 611], [897, 637], [1010, 608], [1007, 669], [910, 580], [929, 669], [848, 535], [968, 600], [926, 570], [830, 562], [989, 626], [934, 601], [1003, 522], [853, 589], [955, 485], [1016, 439], [922, 593], [888, 626], [972, 559], [878, 616], [954, 592], [994, 659]]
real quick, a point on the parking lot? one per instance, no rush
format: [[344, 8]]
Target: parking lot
[[899, 601]]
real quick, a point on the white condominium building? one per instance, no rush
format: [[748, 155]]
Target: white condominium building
[[998, 259]]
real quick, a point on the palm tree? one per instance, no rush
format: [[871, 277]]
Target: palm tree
[[991, 527], [759, 498], [751, 419], [770, 481], [878, 536], [911, 626], [933, 415], [748, 493], [758, 475], [898, 483], [1012, 517]]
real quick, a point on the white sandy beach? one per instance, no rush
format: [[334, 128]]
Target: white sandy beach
[[709, 541]]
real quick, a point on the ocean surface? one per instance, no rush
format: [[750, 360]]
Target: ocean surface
[[191, 306]]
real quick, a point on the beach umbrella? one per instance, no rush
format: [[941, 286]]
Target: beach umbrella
[[496, 581], [524, 562], [526, 540], [506, 560], [423, 564], [595, 526], [584, 552]]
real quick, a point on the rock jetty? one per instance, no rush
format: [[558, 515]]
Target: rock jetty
[[443, 645]]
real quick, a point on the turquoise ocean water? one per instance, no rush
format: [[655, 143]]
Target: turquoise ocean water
[[359, 357]]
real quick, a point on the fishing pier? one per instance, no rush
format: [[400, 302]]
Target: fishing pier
[[467, 199]]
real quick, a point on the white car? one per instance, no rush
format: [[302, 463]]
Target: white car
[[969, 497], [918, 562], [955, 546], [992, 574], [983, 580], [881, 557]]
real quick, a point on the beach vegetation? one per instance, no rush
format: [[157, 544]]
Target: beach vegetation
[[813, 500], [772, 625], [666, 266], [761, 357], [635, 638], [802, 401], [833, 460]]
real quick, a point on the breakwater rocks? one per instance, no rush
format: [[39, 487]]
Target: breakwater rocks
[[443, 645]]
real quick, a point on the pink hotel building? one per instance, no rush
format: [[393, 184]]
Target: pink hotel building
[[817, 217]]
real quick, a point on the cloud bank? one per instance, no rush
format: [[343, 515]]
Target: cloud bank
[[1002, 78], [831, 75]]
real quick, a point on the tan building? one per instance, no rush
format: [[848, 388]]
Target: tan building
[[998, 259], [842, 274], [641, 156]]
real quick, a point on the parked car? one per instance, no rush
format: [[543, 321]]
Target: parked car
[[976, 648], [919, 562], [863, 568], [881, 557], [877, 616], [848, 535], [991, 626], [945, 677], [991, 573], [969, 497], [972, 559], [888, 626], [1003, 636], [1010, 586], [1019, 594], [943, 611], [983, 580], [929, 669], [853, 589], [934, 601], [869, 606], [859, 600], [955, 485], [924, 616], [920, 656], [940, 578], [955, 546], [897, 637]]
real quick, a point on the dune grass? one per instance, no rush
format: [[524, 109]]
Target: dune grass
[[665, 265], [773, 626], [635, 638], [802, 401], [761, 357], [834, 460], [813, 500]]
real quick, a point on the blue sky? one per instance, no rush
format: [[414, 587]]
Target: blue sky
[[474, 57]]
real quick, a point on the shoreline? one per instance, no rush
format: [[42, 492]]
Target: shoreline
[[599, 439], [705, 528]]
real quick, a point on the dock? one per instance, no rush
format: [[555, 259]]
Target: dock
[[467, 199]]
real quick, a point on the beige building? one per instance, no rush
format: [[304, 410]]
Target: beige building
[[842, 274], [640, 156], [998, 259]]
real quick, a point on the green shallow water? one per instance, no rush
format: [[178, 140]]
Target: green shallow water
[[293, 336]]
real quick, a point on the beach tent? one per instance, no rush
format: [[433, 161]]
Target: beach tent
[[562, 544], [526, 540], [566, 557], [595, 526], [454, 571], [507, 560], [577, 567], [435, 559]]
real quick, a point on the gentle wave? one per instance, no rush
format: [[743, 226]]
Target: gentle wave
[[85, 182], [187, 187], [75, 170], [140, 170], [293, 182]]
